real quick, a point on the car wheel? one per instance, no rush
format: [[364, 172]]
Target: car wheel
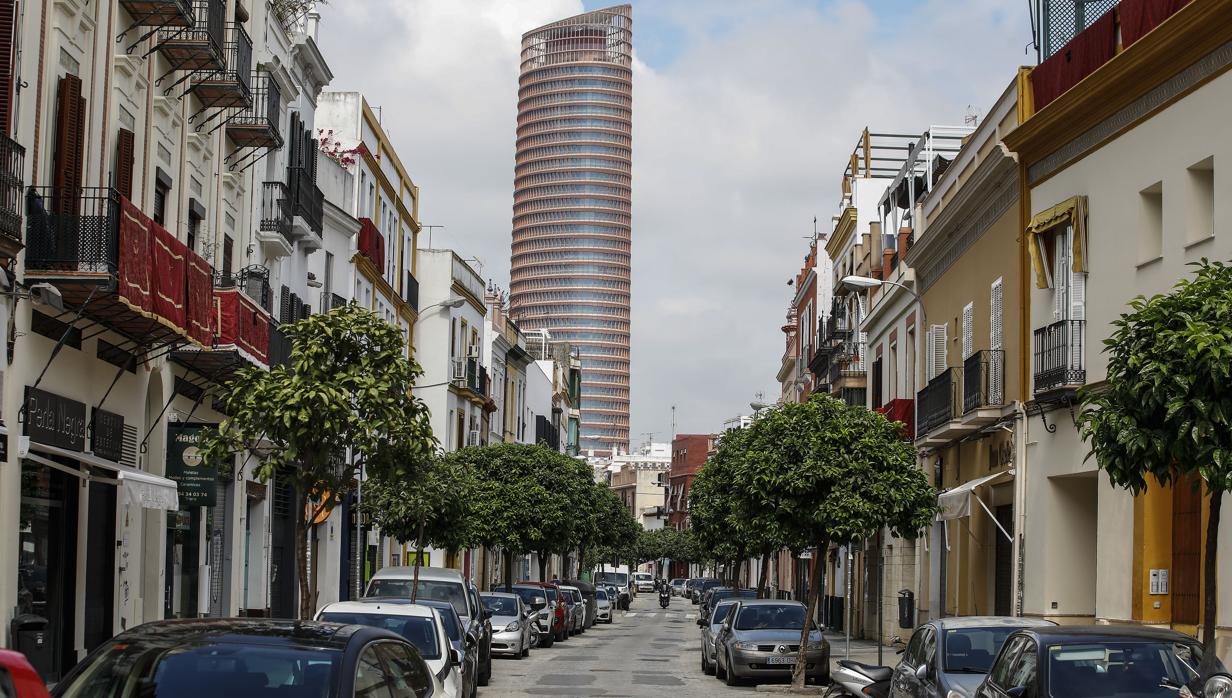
[[720, 672], [729, 676], [547, 640], [707, 667], [485, 677]]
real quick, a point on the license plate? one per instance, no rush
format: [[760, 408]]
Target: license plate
[[780, 660]]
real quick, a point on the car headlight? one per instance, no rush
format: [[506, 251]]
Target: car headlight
[[1218, 686], [512, 627], [745, 645]]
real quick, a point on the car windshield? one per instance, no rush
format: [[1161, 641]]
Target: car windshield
[[450, 592], [720, 613], [501, 605], [677, 582], [1139, 668], [971, 650], [770, 617], [600, 594], [643, 576], [135, 669], [419, 631], [618, 578], [530, 595]]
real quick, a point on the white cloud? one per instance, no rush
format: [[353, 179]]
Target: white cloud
[[739, 141]]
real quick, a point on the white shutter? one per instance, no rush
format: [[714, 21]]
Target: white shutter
[[937, 351], [1060, 276], [968, 340], [930, 361], [1078, 295], [996, 324]]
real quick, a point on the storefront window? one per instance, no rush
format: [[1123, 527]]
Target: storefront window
[[47, 561]]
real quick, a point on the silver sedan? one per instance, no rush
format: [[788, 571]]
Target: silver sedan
[[760, 638], [512, 626]]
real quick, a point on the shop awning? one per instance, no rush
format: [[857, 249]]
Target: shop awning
[[956, 503], [151, 491]]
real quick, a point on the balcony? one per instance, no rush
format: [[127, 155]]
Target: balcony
[[844, 374], [372, 244], [983, 385], [410, 290], [275, 229], [156, 14], [332, 301], [253, 281], [257, 125], [307, 201], [901, 410], [938, 404], [197, 45], [115, 266], [231, 85], [242, 337], [12, 168], [1058, 364]]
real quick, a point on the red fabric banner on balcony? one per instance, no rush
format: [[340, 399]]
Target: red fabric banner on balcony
[[372, 243], [1141, 16], [200, 300], [242, 325], [168, 271], [1093, 47], [134, 272]]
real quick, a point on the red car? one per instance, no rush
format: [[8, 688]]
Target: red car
[[555, 609], [18, 678]]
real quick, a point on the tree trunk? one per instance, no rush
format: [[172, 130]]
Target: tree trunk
[[543, 565], [508, 557], [799, 673], [1209, 658], [580, 561], [307, 602], [764, 576], [419, 548]]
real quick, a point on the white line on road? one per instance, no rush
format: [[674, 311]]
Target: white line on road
[[690, 616], [630, 615]]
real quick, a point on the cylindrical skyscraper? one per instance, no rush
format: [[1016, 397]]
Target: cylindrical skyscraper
[[571, 205]]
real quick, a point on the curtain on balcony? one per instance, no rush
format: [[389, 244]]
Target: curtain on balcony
[[1093, 47], [200, 300], [134, 271], [168, 273], [1141, 16], [1072, 212]]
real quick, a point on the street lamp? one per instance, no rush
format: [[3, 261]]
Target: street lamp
[[453, 303], [864, 283]]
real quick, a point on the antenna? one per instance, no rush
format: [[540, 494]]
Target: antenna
[[430, 227], [673, 422], [971, 118]]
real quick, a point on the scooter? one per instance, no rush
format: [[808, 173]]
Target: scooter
[[852, 678], [665, 597]]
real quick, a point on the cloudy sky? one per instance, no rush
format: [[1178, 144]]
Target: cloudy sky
[[745, 113]]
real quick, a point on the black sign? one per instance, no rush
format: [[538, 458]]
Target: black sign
[[107, 435], [55, 420], [197, 484]]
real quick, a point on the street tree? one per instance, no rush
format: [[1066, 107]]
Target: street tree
[[430, 507], [1163, 414], [603, 521], [516, 502], [341, 405], [827, 472]]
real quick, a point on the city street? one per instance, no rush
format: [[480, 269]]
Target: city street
[[648, 651]]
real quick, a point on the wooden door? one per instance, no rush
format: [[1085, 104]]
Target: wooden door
[[1185, 579]]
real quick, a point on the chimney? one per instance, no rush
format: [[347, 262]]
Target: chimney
[[903, 233], [886, 256]]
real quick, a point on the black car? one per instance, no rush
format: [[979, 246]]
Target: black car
[[699, 589], [236, 657], [951, 656], [463, 641], [1080, 661], [588, 595], [717, 594]]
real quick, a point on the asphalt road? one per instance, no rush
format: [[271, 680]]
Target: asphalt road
[[647, 651]]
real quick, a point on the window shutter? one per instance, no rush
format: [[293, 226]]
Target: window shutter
[[996, 325], [937, 359], [1060, 276], [968, 320], [284, 305], [1078, 295], [70, 142], [8, 33], [125, 141]]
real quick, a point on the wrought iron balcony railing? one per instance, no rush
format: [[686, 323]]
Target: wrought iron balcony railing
[[410, 290], [1059, 356], [12, 167], [984, 380], [73, 230], [253, 281], [307, 200], [276, 209], [938, 401], [257, 125]]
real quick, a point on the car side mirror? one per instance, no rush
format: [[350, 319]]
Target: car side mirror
[[701, 622], [921, 672], [470, 641], [455, 657], [487, 615]]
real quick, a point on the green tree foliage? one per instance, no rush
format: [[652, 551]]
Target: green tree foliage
[[1165, 410], [823, 472], [605, 524], [431, 507], [343, 402]]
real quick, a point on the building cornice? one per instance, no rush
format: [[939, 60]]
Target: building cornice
[[843, 228], [1192, 33], [804, 284]]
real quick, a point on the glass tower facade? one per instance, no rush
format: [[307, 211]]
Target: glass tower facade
[[571, 206]]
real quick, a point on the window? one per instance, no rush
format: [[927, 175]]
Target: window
[[1000, 674], [410, 675], [968, 319], [162, 189], [1068, 286], [194, 230], [892, 371], [1022, 673], [913, 654], [228, 253], [1151, 235], [911, 350], [937, 359], [371, 679], [1201, 225], [877, 383]]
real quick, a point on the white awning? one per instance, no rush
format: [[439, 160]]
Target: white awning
[[956, 503], [151, 491]]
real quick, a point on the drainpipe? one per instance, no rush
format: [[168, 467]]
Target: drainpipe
[[1020, 498]]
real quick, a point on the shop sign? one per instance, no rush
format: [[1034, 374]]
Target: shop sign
[[197, 483], [107, 435], [55, 420]]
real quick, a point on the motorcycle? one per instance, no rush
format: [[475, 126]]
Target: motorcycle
[[852, 678], [665, 597]]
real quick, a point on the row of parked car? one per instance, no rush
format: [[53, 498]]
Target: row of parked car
[[416, 633]]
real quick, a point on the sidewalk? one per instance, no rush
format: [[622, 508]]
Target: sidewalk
[[861, 650]]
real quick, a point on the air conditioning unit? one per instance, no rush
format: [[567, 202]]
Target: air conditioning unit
[[472, 352], [472, 438], [459, 371]]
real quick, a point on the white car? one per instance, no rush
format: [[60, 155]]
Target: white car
[[420, 625], [644, 581]]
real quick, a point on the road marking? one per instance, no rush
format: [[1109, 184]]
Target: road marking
[[690, 616], [669, 616], [630, 615]]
